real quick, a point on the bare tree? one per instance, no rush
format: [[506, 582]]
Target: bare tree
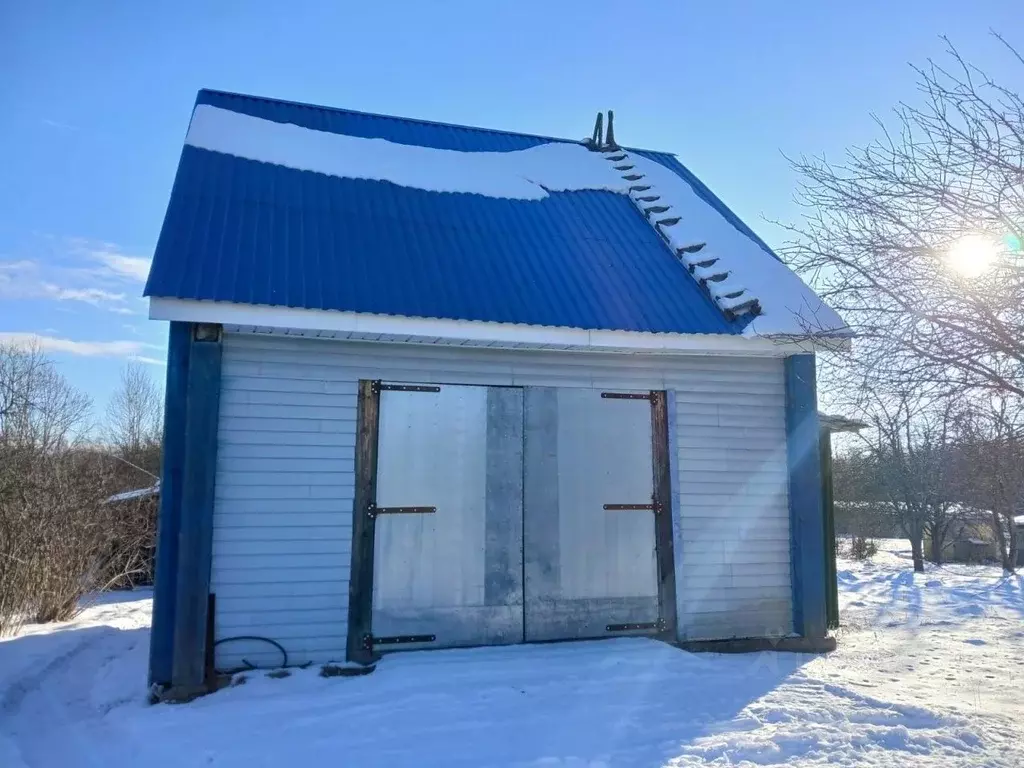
[[912, 444], [899, 235], [993, 449], [52, 524], [135, 419], [38, 408]]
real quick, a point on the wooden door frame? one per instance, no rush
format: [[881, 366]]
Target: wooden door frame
[[663, 536], [360, 592]]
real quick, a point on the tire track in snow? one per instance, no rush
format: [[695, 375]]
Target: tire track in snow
[[49, 714]]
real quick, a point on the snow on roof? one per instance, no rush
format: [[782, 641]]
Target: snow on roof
[[739, 273], [736, 270], [526, 174], [138, 493]]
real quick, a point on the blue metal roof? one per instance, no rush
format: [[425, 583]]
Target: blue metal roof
[[243, 231]]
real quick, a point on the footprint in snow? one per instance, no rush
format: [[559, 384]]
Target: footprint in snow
[[970, 610], [975, 641], [933, 583]]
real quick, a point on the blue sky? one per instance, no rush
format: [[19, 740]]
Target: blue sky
[[95, 100]]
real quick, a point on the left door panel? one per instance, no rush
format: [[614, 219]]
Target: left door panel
[[448, 537]]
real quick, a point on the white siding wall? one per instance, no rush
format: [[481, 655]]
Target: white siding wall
[[283, 505], [732, 504], [283, 510]]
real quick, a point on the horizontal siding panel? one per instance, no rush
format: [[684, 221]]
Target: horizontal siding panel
[[278, 604], [255, 423], [285, 519], [713, 448], [280, 477], [733, 493], [739, 487], [242, 397], [731, 509], [276, 589], [750, 464], [740, 562], [289, 411], [736, 600], [321, 562], [300, 651], [708, 580], [263, 451], [236, 382], [286, 506], [230, 436], [772, 606], [761, 625], [732, 547], [230, 660], [341, 490], [243, 535], [298, 629], [745, 532], [277, 357], [336, 576], [694, 445], [235, 547]]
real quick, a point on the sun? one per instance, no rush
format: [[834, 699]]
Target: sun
[[972, 255]]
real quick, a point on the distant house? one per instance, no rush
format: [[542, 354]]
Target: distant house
[[132, 543], [136, 494], [969, 537], [434, 386], [1019, 527]]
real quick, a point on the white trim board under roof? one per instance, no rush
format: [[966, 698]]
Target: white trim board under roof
[[358, 326]]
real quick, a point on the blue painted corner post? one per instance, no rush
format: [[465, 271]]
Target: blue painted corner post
[[807, 532], [185, 525], [161, 640]]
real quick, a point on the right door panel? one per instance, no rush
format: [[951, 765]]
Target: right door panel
[[589, 536]]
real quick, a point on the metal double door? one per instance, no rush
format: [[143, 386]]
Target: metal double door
[[507, 515]]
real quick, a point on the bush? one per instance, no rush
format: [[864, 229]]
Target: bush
[[53, 532], [862, 548], [54, 524]]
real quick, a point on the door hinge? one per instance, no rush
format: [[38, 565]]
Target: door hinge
[[655, 507], [369, 641], [625, 396], [372, 510], [408, 387], [660, 625]]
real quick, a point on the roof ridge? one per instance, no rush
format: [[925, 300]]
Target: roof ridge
[[417, 120]]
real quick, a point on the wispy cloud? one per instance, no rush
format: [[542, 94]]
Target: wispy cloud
[[98, 274], [97, 297], [88, 295], [119, 348], [131, 267], [58, 124]]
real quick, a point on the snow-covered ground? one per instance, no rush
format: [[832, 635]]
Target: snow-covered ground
[[928, 672]]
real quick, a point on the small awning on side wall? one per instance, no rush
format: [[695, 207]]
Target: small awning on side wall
[[840, 423]]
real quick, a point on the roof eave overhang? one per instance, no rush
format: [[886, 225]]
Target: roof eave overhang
[[358, 326]]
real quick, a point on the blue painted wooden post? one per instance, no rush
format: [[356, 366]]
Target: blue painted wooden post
[[805, 502], [195, 537], [161, 642]]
